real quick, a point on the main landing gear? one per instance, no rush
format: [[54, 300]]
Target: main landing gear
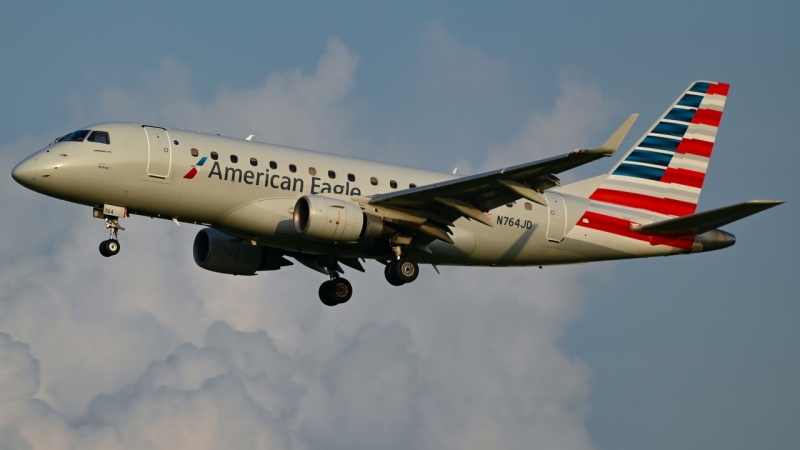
[[337, 290], [401, 270], [110, 247]]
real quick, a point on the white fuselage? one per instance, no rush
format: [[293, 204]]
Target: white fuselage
[[253, 197]]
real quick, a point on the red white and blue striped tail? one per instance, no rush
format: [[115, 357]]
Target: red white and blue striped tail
[[665, 170]]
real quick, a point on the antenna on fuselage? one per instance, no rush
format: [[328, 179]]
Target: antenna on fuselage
[[249, 137], [455, 170]]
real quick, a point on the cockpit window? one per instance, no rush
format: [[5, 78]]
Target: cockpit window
[[75, 136], [101, 137]]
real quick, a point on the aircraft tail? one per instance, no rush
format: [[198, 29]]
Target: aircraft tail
[[665, 170]]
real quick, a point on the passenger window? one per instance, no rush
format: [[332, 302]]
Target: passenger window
[[528, 206], [292, 168], [510, 204], [234, 159], [253, 162], [373, 181], [393, 184], [312, 171], [412, 185], [101, 137], [351, 177], [331, 174], [273, 165], [214, 156], [75, 136], [195, 152]]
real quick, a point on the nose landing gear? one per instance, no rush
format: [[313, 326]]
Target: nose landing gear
[[110, 247]]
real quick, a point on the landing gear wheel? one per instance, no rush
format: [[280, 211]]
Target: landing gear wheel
[[390, 273], [335, 291], [341, 290], [112, 247], [406, 270], [109, 247], [325, 294]]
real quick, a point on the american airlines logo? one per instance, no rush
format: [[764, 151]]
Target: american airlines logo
[[189, 175], [282, 182]]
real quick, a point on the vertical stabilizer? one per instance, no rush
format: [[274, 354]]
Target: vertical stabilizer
[[665, 170]]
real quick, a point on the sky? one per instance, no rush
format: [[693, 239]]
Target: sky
[[147, 350]]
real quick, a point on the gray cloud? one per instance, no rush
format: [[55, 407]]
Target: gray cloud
[[147, 350]]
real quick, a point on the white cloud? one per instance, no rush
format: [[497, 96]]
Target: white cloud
[[293, 108], [579, 112], [147, 350]]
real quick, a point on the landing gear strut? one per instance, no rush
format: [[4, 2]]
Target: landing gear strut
[[110, 247], [335, 291]]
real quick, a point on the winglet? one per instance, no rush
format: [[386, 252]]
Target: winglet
[[610, 146]]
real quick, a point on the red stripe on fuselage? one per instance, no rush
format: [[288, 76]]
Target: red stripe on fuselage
[[191, 174], [695, 147], [718, 89], [656, 204], [622, 227], [684, 177], [707, 117]]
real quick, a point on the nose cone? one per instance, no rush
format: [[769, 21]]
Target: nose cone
[[23, 172]]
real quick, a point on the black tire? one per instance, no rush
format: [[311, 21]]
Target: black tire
[[389, 273], [103, 250], [325, 294], [406, 270], [340, 290], [112, 247]]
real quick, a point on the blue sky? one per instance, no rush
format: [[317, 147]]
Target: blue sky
[[690, 351]]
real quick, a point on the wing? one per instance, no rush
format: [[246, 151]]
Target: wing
[[439, 204]]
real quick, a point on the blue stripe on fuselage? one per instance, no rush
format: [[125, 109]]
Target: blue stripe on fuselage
[[680, 114], [671, 129], [636, 171], [644, 156], [660, 143]]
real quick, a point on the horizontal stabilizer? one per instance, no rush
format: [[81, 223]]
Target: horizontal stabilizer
[[705, 221]]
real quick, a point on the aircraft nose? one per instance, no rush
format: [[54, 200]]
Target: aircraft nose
[[23, 172]]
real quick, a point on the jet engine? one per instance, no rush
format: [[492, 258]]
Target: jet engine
[[328, 219], [216, 251]]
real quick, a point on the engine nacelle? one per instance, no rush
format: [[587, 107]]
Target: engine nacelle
[[216, 251], [328, 219]]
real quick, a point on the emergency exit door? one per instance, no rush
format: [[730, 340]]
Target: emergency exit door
[[159, 160], [556, 217]]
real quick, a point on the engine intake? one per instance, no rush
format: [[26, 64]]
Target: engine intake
[[218, 252], [328, 219]]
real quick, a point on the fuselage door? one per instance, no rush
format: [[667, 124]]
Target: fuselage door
[[556, 217], [159, 160]]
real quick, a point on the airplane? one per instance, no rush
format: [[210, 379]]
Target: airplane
[[261, 204]]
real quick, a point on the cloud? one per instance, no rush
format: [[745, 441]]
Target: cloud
[[580, 111], [147, 350], [293, 108]]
